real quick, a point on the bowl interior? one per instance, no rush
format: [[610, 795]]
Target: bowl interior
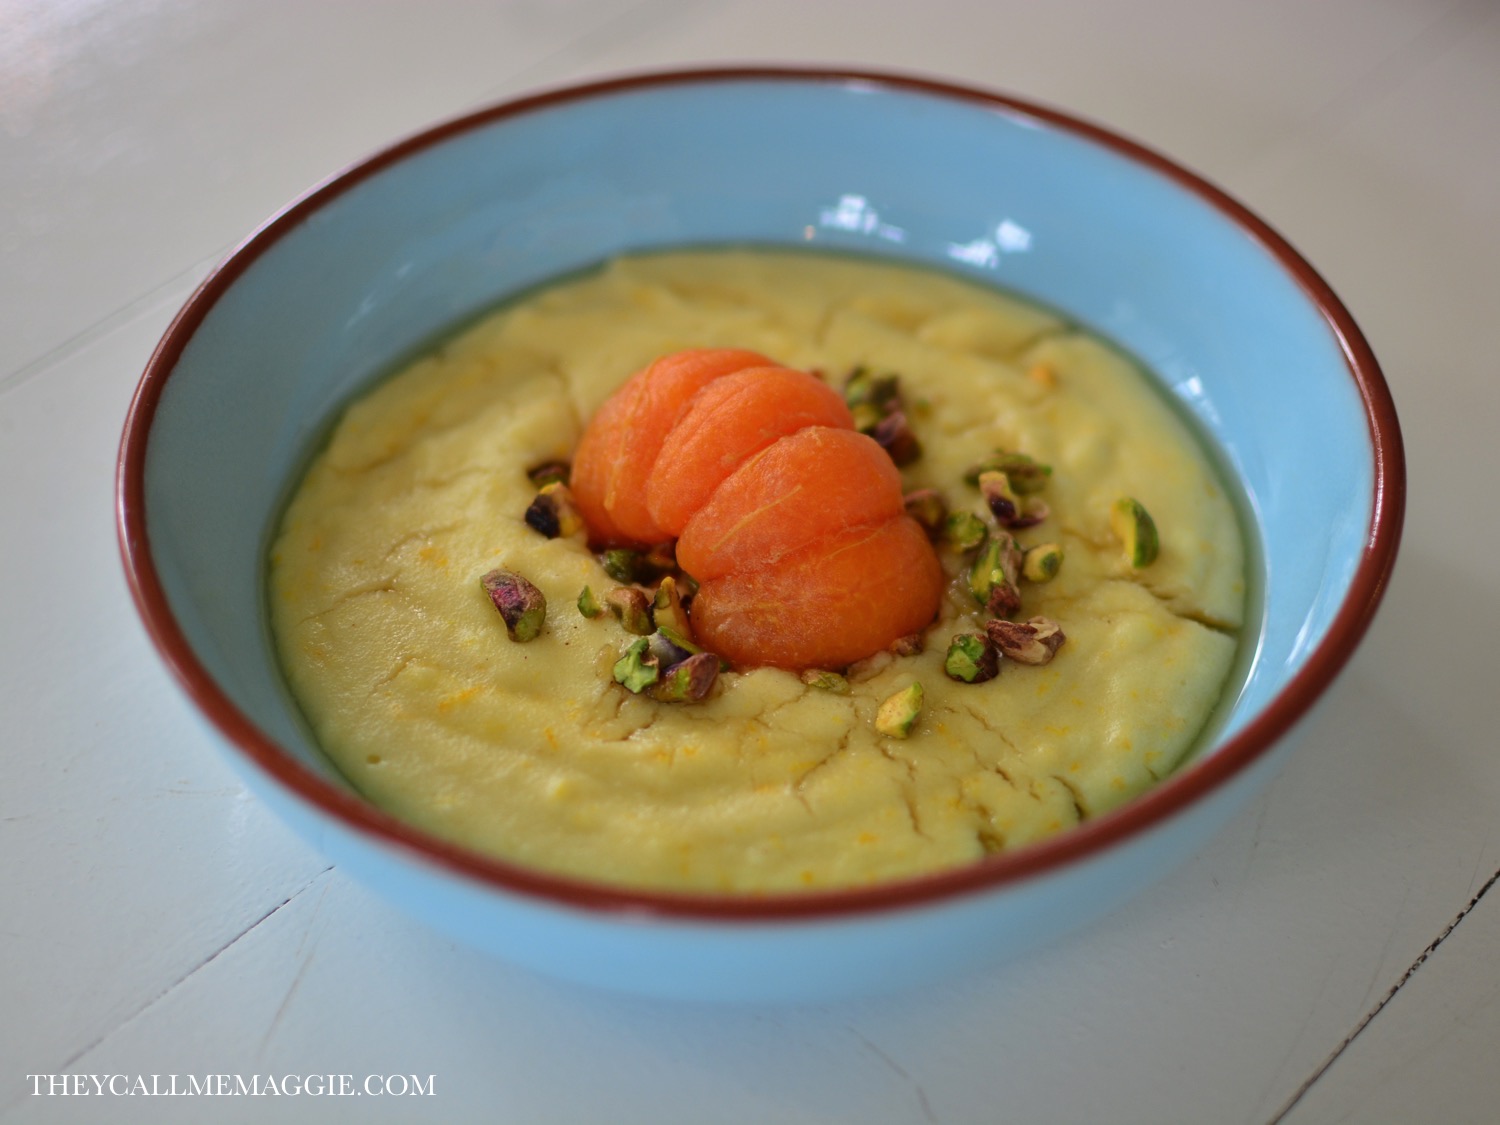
[[378, 263]]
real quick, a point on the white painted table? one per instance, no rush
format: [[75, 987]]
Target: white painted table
[[1331, 957]]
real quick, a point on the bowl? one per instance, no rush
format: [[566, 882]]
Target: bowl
[[385, 256]]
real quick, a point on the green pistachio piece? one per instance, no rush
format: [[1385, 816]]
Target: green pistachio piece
[[637, 669], [588, 605], [622, 564], [1042, 563], [520, 603], [964, 531], [899, 712], [1026, 642], [826, 681], [632, 609], [1026, 474], [688, 680], [972, 659], [1136, 529], [928, 508], [993, 577], [669, 611]]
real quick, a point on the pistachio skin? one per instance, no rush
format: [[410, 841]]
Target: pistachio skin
[[521, 604], [1033, 512], [972, 659], [553, 512], [910, 645], [898, 713], [1027, 642], [893, 433], [687, 681], [1003, 502], [667, 652]]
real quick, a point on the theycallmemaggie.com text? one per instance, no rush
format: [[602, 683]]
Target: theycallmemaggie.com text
[[231, 1085]]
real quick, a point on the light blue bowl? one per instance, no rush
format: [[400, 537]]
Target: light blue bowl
[[385, 256]]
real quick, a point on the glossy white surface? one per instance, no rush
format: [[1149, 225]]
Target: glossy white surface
[[155, 920]]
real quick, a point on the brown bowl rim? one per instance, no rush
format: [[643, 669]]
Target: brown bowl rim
[[1092, 839]]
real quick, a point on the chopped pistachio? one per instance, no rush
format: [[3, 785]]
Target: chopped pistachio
[[893, 434], [588, 605], [910, 645], [622, 564], [1026, 642], [880, 391], [669, 611], [683, 641], [1025, 474], [1042, 562], [1033, 511], [899, 712], [660, 559], [637, 669], [553, 512], [993, 577], [965, 531], [520, 603], [689, 680], [972, 659], [549, 472], [1136, 529], [928, 508], [1003, 502], [1004, 599], [826, 681], [866, 416], [1028, 476], [631, 608], [666, 650]]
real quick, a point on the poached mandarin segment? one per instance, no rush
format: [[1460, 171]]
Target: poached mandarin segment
[[473, 605], [729, 421], [613, 463], [757, 466]]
